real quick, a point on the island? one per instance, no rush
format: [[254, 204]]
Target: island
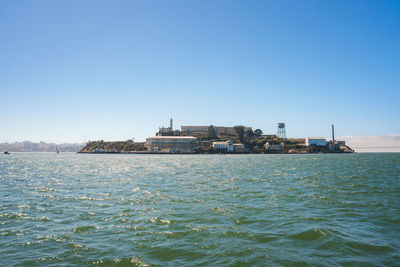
[[216, 140]]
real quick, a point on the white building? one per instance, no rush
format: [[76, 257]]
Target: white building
[[172, 144], [223, 146], [316, 141]]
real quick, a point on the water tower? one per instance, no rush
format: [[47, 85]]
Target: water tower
[[281, 130]]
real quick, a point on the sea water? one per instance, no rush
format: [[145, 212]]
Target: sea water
[[206, 210]]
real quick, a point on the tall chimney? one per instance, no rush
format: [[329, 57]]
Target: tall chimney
[[170, 124], [333, 134]]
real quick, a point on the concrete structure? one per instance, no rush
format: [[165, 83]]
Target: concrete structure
[[240, 148], [340, 143], [274, 147], [163, 129], [226, 146], [203, 130], [332, 144], [172, 144], [317, 141], [337, 143]]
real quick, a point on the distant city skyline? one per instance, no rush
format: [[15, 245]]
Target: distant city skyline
[[120, 69]]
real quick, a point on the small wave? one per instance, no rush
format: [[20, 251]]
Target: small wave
[[84, 229], [90, 198], [12, 232], [42, 219], [87, 215], [244, 220], [14, 216], [369, 247], [75, 247], [23, 206], [309, 235], [126, 261], [44, 189], [159, 220]]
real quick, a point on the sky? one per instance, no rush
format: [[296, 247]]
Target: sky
[[114, 70]]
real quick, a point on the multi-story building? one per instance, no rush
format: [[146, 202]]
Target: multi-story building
[[226, 146], [316, 141], [229, 146], [204, 130], [27, 146], [172, 144]]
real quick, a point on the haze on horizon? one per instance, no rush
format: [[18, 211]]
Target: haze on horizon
[[114, 70]]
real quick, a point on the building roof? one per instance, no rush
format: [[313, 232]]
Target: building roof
[[194, 126], [174, 137], [316, 138], [223, 142]]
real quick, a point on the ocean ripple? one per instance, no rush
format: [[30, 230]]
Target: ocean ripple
[[206, 210]]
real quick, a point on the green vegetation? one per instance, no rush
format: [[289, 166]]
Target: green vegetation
[[240, 130], [112, 147], [258, 132], [212, 134], [249, 133]]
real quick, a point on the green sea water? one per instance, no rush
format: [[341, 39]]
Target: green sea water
[[199, 210]]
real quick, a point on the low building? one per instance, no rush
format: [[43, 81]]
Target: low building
[[240, 148], [315, 141], [274, 147], [226, 146], [203, 130], [172, 144]]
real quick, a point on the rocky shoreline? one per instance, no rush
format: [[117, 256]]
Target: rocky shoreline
[[125, 147]]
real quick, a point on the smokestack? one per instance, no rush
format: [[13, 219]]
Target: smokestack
[[170, 124], [333, 134]]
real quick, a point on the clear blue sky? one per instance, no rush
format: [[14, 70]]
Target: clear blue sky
[[114, 70]]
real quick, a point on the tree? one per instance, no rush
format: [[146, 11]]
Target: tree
[[249, 133], [212, 134], [258, 132], [240, 132]]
